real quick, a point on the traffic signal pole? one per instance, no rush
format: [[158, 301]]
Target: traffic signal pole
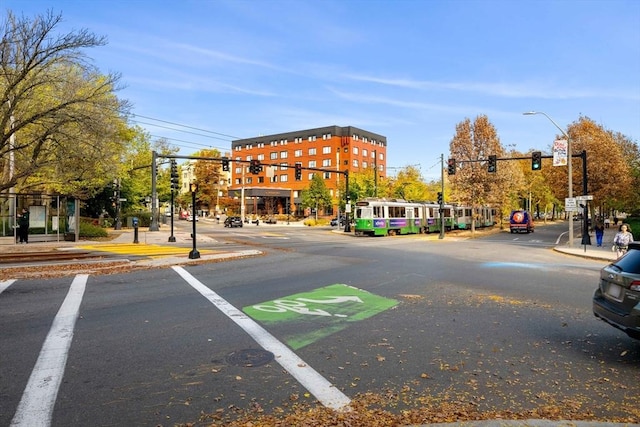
[[441, 236]]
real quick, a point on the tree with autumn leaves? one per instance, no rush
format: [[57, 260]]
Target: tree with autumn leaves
[[613, 170]]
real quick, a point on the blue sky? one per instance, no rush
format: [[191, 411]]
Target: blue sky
[[406, 69]]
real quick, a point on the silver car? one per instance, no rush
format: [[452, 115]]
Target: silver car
[[617, 299]]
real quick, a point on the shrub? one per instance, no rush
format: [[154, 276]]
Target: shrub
[[88, 229]]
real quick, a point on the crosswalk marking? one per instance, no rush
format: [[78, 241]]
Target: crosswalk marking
[[5, 284], [39, 397]]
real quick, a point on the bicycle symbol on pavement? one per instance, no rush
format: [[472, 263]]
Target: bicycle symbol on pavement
[[299, 305]]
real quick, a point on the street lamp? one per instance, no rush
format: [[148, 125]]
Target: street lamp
[[569, 169]]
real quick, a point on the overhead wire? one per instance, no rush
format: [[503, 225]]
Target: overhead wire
[[201, 132]]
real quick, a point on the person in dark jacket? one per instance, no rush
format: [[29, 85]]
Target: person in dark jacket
[[23, 226]]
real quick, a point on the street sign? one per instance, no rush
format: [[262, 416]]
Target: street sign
[[122, 200], [587, 197], [570, 204]]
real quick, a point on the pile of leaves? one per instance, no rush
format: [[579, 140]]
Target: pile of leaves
[[392, 409]]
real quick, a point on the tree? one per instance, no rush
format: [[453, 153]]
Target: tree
[[317, 196], [609, 173], [471, 145], [409, 185], [208, 175], [60, 121]]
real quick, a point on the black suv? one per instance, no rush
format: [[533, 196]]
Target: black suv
[[617, 299], [233, 221]]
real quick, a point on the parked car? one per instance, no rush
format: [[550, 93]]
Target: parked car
[[183, 215], [617, 298], [190, 217], [334, 221], [233, 221]]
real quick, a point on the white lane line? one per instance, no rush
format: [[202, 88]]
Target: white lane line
[[310, 379], [39, 397], [4, 285]]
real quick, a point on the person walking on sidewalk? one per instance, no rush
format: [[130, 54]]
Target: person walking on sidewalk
[[622, 240], [23, 226], [599, 233]]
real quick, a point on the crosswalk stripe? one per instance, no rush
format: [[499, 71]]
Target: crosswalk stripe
[[39, 397], [5, 284]]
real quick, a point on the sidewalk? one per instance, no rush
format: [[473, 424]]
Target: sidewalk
[[592, 251]]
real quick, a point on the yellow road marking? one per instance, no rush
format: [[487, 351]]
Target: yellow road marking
[[143, 249]]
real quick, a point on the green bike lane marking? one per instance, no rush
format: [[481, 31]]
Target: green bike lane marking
[[304, 318]]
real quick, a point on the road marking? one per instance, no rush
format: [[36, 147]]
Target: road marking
[[310, 379], [318, 313], [143, 249], [4, 285], [39, 397]]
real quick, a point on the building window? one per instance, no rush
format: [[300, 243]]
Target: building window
[[326, 136], [355, 137], [356, 150], [326, 150], [312, 163], [284, 154], [284, 178], [284, 166], [260, 144], [312, 138], [249, 180], [364, 164], [381, 156], [261, 180], [297, 139], [297, 153], [327, 175], [273, 155], [365, 153], [326, 163], [312, 151], [355, 163]]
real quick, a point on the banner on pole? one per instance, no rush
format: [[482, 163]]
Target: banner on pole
[[560, 152]]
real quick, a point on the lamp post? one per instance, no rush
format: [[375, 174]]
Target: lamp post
[[194, 254], [569, 169]]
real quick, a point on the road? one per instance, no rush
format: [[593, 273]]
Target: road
[[499, 323]]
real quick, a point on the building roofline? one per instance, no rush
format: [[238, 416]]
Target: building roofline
[[333, 130]]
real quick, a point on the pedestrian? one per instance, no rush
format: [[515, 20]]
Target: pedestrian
[[622, 240], [607, 221], [23, 226], [599, 233]]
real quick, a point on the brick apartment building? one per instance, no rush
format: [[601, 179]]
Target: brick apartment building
[[331, 148]]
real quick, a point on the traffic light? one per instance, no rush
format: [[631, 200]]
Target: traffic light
[[174, 175], [451, 166], [255, 167], [493, 164], [536, 161], [225, 164], [440, 200], [298, 171]]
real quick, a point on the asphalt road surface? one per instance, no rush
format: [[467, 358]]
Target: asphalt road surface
[[501, 321]]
